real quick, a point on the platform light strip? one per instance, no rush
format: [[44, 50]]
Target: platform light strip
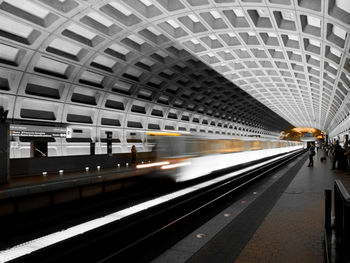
[[45, 241]]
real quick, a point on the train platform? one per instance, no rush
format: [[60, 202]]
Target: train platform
[[27, 193], [19, 186], [280, 219]]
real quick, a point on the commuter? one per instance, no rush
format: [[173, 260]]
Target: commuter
[[338, 154], [133, 155], [324, 153], [312, 153], [327, 149], [346, 156]]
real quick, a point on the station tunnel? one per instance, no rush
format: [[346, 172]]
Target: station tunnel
[[83, 83]]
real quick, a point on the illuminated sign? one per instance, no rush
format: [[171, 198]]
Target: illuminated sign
[[17, 130]]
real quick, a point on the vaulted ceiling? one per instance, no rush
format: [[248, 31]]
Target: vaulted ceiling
[[177, 64]]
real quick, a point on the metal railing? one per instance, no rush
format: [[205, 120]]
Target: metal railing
[[342, 219]]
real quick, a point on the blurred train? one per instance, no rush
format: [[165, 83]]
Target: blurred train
[[185, 157]]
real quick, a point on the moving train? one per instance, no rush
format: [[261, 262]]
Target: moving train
[[186, 157]]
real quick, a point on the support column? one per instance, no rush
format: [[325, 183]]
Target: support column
[[109, 142], [4, 152], [92, 148]]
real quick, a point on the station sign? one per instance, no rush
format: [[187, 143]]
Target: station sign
[[19, 130], [308, 135]]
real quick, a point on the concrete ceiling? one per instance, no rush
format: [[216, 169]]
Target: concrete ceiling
[[182, 65]]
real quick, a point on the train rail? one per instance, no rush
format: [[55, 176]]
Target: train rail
[[118, 235]]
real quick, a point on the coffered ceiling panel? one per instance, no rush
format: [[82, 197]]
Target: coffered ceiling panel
[[200, 58]]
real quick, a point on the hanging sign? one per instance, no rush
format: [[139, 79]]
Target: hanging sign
[[19, 130]]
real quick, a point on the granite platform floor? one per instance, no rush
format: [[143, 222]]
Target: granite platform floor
[[293, 230], [284, 222]]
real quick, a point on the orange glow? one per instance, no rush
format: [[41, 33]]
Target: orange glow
[[163, 134], [305, 129], [294, 134]]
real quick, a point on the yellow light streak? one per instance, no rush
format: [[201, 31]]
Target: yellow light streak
[[148, 165], [175, 165]]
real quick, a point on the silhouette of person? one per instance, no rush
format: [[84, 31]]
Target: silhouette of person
[[133, 155]]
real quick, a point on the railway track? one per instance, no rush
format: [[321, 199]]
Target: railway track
[[129, 234]]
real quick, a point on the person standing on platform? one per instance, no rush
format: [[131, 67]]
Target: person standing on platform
[[323, 153], [347, 156], [133, 155], [338, 155], [312, 153]]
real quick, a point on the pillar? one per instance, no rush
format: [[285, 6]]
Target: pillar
[[109, 142], [4, 152], [92, 148]]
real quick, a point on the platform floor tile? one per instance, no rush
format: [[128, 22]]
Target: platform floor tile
[[293, 230]]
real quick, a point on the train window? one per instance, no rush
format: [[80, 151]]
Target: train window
[[255, 145]]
